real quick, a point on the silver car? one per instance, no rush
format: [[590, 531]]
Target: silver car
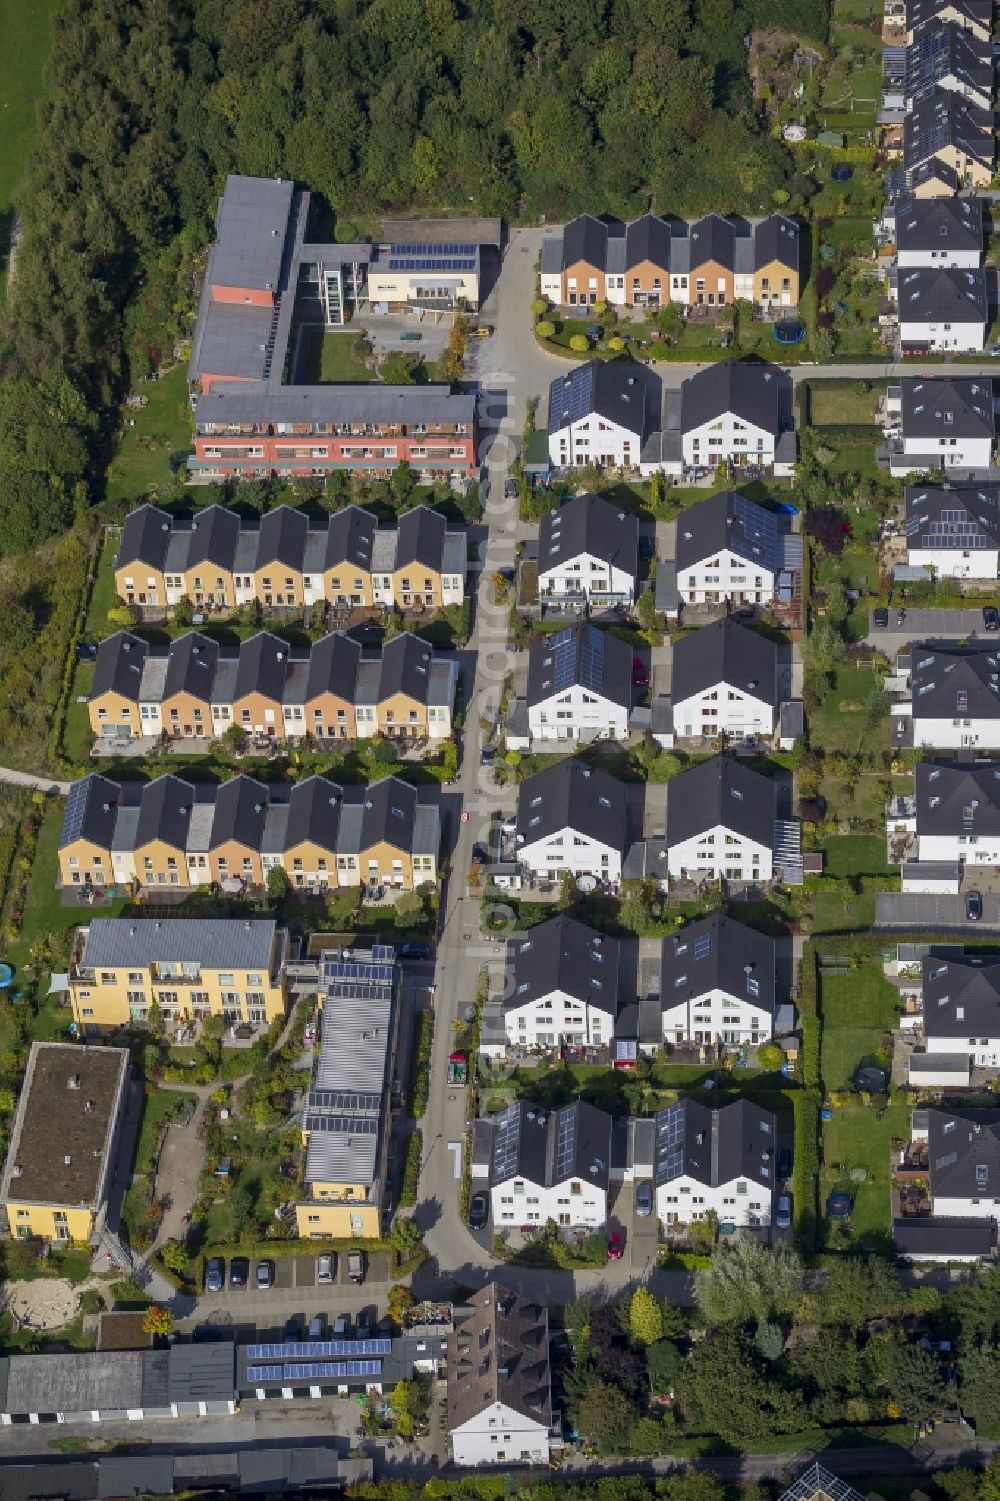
[[324, 1267], [644, 1200]]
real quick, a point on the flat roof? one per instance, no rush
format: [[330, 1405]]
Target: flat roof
[[78, 1090], [74, 1383], [214, 943], [441, 232], [234, 341], [251, 223]]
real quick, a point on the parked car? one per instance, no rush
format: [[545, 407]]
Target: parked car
[[640, 673], [265, 1274], [487, 755], [479, 1211], [647, 548], [900, 616], [480, 854], [325, 1267], [880, 618], [414, 951], [356, 1267], [215, 1274], [481, 331], [973, 906], [783, 1213], [616, 1246], [839, 1206], [991, 618], [239, 1271], [644, 1200], [510, 489]]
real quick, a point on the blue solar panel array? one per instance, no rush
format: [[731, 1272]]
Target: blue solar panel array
[[754, 533], [432, 257], [315, 1370], [432, 250], [953, 528], [76, 805], [318, 1349], [702, 945], [670, 1132], [374, 974]]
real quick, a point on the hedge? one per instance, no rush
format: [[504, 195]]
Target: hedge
[[420, 1063], [411, 1171], [805, 1169], [808, 1004]]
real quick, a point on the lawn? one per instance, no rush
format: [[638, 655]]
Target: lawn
[[832, 403], [162, 1106], [834, 912], [328, 358], [831, 726], [855, 855], [858, 1137], [162, 433], [26, 30], [858, 1008]]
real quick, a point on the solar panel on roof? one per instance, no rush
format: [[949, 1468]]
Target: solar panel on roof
[[702, 945], [565, 1144], [318, 1349], [351, 1101], [670, 1144], [76, 805], [505, 1142], [354, 1125], [383, 953]]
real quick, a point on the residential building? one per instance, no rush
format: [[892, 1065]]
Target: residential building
[[942, 310], [561, 986], [721, 821], [963, 1162], [220, 561], [819, 1484], [936, 233], [64, 1143], [953, 698], [949, 58], [189, 968], [948, 146], [499, 1381], [733, 412], [571, 817], [346, 1120], [724, 683], [579, 687], [407, 693], [718, 985], [975, 16], [588, 552], [954, 530], [549, 1165], [715, 1160], [727, 548], [173, 833], [961, 996], [602, 413], [954, 816], [940, 422], [653, 260]]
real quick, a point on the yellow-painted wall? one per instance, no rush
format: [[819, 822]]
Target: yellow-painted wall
[[97, 1004], [40, 1219], [319, 1220]]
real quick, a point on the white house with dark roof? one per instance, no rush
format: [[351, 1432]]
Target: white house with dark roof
[[727, 547], [953, 817], [738, 413], [499, 1380], [588, 551], [724, 682], [942, 309], [961, 1007], [940, 422], [963, 1160], [954, 530], [549, 1165], [938, 233], [954, 698], [721, 822], [561, 985], [715, 1160], [571, 817], [602, 413], [717, 985], [579, 687]]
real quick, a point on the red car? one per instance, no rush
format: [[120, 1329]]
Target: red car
[[640, 676], [616, 1246]]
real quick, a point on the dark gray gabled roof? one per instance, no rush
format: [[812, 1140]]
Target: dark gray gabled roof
[[389, 812], [958, 799], [333, 666], [725, 652], [949, 224], [251, 223], [145, 538], [118, 667], [620, 391], [713, 239], [240, 813], [314, 809], [648, 239], [551, 1147], [588, 524], [91, 811], [191, 666], [420, 538], [563, 954], [282, 538], [585, 239], [350, 538], [963, 1151], [405, 668], [921, 13], [944, 406], [263, 667], [580, 655], [961, 518], [715, 1147], [572, 795], [758, 394], [717, 953], [955, 682], [164, 812], [721, 791], [213, 535], [961, 995], [728, 520], [947, 50], [926, 293], [777, 238], [943, 120]]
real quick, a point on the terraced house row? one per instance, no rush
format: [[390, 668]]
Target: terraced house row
[[219, 560], [194, 689], [653, 261], [171, 833]]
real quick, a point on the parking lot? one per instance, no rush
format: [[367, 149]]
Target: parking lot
[[926, 625], [912, 909], [295, 1292]]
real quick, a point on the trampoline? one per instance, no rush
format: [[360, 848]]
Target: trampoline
[[789, 332]]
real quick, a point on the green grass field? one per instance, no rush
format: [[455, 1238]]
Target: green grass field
[[26, 29], [162, 431], [855, 855], [858, 1009], [830, 402], [831, 728], [857, 1138]]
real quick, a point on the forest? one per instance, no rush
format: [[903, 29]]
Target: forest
[[518, 109]]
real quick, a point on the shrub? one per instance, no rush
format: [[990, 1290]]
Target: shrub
[[411, 1172]]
